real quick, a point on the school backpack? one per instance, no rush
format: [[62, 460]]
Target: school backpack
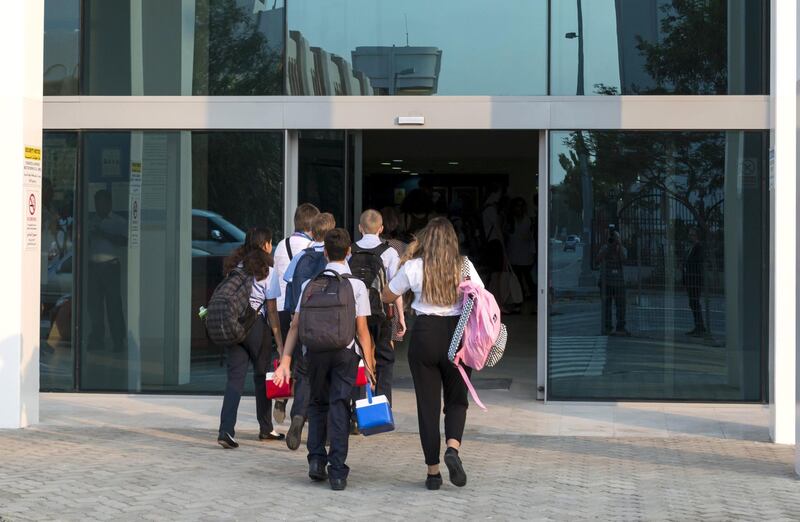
[[229, 312], [366, 264], [308, 266], [479, 333], [328, 313]]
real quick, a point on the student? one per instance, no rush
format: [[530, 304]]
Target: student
[[331, 374], [369, 257], [253, 257], [432, 269], [305, 265], [284, 253]]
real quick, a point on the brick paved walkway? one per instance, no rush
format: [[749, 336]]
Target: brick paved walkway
[[78, 467]]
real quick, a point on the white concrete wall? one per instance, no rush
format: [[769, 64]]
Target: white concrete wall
[[21, 38], [783, 219]]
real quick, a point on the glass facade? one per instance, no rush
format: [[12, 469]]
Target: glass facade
[[62, 45], [416, 47], [657, 252], [174, 47], [607, 47], [60, 165], [157, 214], [322, 173]]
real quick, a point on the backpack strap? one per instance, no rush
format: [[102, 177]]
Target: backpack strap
[[377, 250], [288, 242], [471, 388]]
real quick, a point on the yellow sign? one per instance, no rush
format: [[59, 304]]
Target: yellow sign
[[136, 167], [32, 153]]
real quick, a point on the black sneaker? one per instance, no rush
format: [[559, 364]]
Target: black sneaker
[[433, 482], [453, 462], [279, 411], [316, 471], [338, 484], [227, 441], [295, 432], [273, 435]]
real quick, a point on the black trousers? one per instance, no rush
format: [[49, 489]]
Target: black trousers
[[694, 303], [524, 275], [432, 371], [615, 293], [301, 390], [105, 298], [331, 377], [381, 332], [255, 350]]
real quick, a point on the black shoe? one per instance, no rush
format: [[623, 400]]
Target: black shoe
[[273, 435], [453, 462], [279, 411], [295, 432], [433, 482], [338, 484], [227, 441], [316, 471]]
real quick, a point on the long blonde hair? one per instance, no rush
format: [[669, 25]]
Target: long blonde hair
[[437, 246]]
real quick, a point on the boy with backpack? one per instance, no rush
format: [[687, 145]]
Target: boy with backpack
[[306, 265], [375, 263], [331, 314], [285, 251]]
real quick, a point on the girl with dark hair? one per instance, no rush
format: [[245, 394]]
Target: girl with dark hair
[[254, 257], [433, 269]]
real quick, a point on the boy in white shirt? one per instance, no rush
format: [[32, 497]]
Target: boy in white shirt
[[331, 373]]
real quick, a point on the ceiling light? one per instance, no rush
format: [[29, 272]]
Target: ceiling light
[[452, 163], [415, 173], [398, 161], [405, 171], [396, 168], [386, 163]]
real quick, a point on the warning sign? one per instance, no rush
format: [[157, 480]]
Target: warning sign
[[31, 205]]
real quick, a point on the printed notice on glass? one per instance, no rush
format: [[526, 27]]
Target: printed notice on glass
[[32, 194], [135, 206]]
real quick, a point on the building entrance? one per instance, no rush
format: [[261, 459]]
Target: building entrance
[[486, 184]]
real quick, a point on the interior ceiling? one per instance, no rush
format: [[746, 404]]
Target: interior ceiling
[[426, 151]]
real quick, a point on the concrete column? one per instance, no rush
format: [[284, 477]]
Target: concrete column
[[21, 38], [783, 219]]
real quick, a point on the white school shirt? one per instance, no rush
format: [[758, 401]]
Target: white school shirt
[[359, 292], [390, 258], [299, 242], [409, 277], [267, 288]]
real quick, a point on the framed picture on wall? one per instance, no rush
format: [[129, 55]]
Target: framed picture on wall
[[467, 198]]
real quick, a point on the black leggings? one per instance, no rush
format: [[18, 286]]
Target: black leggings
[[431, 371]]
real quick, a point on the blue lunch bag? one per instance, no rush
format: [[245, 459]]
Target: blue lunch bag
[[374, 414]]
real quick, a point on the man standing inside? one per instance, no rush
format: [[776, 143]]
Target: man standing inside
[[612, 256], [693, 281]]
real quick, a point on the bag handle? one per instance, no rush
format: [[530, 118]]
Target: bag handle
[[369, 393], [471, 388]]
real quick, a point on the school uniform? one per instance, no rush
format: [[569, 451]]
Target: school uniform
[[282, 257], [431, 370], [302, 390], [255, 349], [332, 376], [381, 328]]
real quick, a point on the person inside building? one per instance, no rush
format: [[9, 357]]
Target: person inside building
[[693, 269], [612, 258]]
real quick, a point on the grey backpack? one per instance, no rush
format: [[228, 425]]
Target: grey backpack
[[229, 311], [328, 313]]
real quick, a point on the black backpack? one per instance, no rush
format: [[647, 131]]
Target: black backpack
[[328, 313], [309, 266], [366, 264], [230, 315]]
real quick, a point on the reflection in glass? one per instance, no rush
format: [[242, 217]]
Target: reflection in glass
[[161, 212], [321, 176], [656, 262], [58, 203], [61, 47], [207, 47], [416, 47], [658, 47]]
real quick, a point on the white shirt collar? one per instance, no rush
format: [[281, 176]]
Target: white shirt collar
[[339, 268], [370, 241]]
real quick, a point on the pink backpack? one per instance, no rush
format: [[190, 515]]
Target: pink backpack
[[479, 334]]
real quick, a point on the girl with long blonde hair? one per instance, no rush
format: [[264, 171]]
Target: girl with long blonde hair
[[432, 269]]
